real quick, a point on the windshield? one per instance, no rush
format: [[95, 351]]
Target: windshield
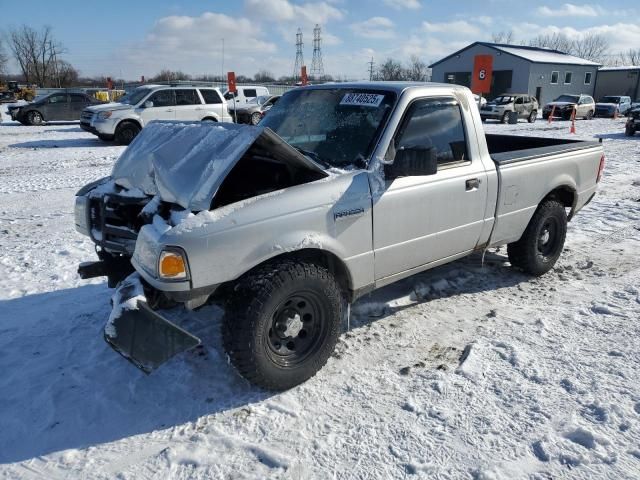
[[610, 100], [134, 97], [503, 100], [567, 98], [338, 127]]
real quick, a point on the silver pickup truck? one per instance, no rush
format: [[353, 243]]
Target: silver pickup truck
[[341, 189]]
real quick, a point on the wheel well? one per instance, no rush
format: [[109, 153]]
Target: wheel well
[[127, 120], [565, 195], [213, 119]]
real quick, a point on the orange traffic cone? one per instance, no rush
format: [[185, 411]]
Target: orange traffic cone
[[573, 121], [553, 111]]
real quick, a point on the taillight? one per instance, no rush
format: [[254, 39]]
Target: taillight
[[600, 169]]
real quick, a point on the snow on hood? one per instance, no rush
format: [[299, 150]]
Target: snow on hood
[[185, 163], [109, 106]]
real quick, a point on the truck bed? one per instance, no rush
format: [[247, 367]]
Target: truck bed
[[506, 149]]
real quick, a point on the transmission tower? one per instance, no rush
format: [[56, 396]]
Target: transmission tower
[[317, 68], [299, 57], [371, 69]]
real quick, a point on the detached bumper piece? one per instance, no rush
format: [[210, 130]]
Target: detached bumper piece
[[143, 336]]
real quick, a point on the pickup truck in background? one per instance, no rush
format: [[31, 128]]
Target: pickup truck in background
[[341, 189]]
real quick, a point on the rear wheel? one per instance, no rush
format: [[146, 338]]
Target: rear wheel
[[35, 118], [505, 117], [209, 119], [126, 132], [542, 241], [282, 323], [532, 116]]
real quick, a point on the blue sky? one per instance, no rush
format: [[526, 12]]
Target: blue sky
[[133, 38]]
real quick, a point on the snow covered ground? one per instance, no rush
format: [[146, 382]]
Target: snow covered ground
[[467, 371]]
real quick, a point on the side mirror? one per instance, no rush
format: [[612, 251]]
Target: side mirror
[[148, 104], [412, 161]]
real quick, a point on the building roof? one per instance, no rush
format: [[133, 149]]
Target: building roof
[[531, 54], [621, 68]]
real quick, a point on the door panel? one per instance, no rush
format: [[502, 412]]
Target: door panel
[[164, 104], [77, 104], [423, 218], [57, 107], [188, 104]]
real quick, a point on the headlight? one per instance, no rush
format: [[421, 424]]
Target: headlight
[[105, 115], [172, 265], [81, 214]]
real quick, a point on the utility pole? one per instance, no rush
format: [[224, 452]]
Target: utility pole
[[55, 63], [299, 56], [371, 69], [222, 68]]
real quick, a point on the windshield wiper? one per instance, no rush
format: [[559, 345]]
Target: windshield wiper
[[314, 156]]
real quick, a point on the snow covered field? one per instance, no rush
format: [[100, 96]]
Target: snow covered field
[[549, 385]]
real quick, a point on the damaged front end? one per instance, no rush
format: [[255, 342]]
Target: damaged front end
[[140, 334], [171, 172]]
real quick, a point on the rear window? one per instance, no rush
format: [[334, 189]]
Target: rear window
[[187, 97], [210, 96]]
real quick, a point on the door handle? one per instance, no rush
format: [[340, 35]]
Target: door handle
[[472, 184]]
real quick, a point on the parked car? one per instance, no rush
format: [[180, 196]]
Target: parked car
[[244, 94], [342, 189], [613, 105], [53, 107], [123, 120], [584, 106], [633, 122], [254, 110], [500, 107]]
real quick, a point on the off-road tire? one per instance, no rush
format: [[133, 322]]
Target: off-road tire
[[532, 116], [629, 131], [126, 132], [531, 253], [35, 118], [252, 333]]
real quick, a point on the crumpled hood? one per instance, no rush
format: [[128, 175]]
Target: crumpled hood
[[109, 106], [185, 163]]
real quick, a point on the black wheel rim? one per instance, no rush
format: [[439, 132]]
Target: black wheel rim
[[255, 118], [36, 118], [297, 329], [548, 237]]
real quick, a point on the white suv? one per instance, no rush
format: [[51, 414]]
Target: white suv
[[124, 119]]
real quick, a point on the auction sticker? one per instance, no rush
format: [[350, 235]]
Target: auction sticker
[[362, 99]]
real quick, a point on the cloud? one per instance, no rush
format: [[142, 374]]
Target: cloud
[[456, 28], [570, 10], [194, 44], [403, 4], [375, 27], [285, 11]]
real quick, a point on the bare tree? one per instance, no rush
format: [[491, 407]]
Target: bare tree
[[555, 41], [36, 52], [390, 70], [4, 59], [505, 37], [263, 76], [417, 70], [591, 46], [66, 74], [631, 57], [167, 75]]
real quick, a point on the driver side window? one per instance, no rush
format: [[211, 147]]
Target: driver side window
[[163, 98], [435, 123], [62, 98]]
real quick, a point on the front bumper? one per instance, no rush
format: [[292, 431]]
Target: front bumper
[[141, 335]]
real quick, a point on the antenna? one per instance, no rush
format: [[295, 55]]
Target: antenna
[[317, 68], [371, 69], [299, 57]]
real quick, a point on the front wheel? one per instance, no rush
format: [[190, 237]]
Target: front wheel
[[35, 118], [282, 323], [255, 118], [505, 117], [126, 132], [542, 241], [532, 116]]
